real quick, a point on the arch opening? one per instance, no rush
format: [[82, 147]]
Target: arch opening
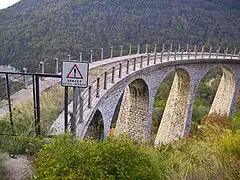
[[160, 101], [175, 115], [214, 95], [133, 113], [95, 129]]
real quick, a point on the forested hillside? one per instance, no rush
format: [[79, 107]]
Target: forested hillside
[[35, 30]]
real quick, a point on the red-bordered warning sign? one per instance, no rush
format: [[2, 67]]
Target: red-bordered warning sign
[[75, 74]]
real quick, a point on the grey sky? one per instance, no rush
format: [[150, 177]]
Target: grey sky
[[6, 3]]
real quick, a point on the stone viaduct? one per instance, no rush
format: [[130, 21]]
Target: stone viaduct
[[125, 93]]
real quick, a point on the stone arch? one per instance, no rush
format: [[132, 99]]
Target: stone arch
[[95, 128], [175, 116], [115, 116], [133, 114], [223, 100]]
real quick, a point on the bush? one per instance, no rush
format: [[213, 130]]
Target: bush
[[113, 159]]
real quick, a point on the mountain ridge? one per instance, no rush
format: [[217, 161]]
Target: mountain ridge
[[32, 31]]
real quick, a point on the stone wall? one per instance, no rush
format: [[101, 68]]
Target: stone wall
[[224, 96], [133, 113]]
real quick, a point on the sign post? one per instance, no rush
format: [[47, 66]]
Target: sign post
[[75, 74]]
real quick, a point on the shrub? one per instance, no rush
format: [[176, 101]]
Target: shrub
[[113, 159]]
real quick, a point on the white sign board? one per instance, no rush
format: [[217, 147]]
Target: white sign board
[[75, 74]]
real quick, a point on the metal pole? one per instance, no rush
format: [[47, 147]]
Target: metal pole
[[171, 47], [182, 54], [74, 118], [34, 103], [9, 103], [231, 54], [38, 128], [187, 47], [66, 110]]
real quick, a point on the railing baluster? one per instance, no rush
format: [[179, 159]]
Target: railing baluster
[[105, 80], [189, 53], [148, 59], [141, 61], [182, 54], [168, 57], [101, 54], [155, 58], [111, 52], [120, 70], [121, 51], [161, 56], [175, 55], [98, 85], [195, 53], [90, 97], [127, 71], [113, 75], [231, 54], [134, 64], [235, 51], [210, 52]]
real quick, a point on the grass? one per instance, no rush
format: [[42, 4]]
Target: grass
[[52, 103]]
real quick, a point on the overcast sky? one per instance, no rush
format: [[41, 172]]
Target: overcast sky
[[6, 3]]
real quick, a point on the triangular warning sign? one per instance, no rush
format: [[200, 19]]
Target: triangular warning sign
[[75, 73]]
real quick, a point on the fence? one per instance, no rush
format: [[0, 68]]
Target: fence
[[33, 84]]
